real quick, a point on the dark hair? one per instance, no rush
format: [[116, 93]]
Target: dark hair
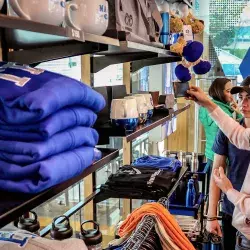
[[216, 89]]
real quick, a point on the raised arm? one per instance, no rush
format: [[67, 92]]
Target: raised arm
[[237, 134]]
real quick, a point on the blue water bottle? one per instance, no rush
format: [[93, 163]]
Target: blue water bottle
[[190, 195], [216, 242], [165, 32]]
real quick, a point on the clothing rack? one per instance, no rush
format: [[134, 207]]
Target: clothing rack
[[143, 229], [141, 233]]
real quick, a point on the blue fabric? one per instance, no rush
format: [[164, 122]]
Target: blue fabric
[[159, 162], [238, 162], [61, 120], [41, 175], [27, 97], [29, 152]]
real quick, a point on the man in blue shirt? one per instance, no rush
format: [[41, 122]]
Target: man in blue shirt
[[236, 162]]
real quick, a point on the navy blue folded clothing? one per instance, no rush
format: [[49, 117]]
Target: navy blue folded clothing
[[24, 153], [61, 120], [159, 162], [28, 95], [41, 175]]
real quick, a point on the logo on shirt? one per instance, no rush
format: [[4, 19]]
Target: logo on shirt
[[153, 176], [19, 81], [132, 171]]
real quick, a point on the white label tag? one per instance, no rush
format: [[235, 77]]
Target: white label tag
[[188, 33], [19, 81]]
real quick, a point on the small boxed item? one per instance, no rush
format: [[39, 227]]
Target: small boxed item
[[180, 89]]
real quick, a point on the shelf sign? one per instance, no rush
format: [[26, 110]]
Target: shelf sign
[[75, 34], [188, 33]]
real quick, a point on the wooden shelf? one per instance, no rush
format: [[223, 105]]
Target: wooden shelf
[[13, 205]]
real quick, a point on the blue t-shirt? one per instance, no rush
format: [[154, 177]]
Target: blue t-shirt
[[238, 162]]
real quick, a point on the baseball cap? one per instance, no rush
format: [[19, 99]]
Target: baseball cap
[[244, 86]]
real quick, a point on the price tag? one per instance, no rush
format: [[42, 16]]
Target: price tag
[[188, 33], [75, 34]]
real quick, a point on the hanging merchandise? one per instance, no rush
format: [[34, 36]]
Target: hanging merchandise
[[191, 53], [159, 212], [178, 46], [61, 231], [92, 237]]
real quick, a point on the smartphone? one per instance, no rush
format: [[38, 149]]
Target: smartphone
[[180, 89]]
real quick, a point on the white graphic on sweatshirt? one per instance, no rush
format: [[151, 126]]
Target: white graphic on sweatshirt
[[19, 81]]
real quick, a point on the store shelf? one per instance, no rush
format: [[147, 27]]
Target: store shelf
[[105, 131], [188, 211], [13, 205], [35, 42], [182, 1]]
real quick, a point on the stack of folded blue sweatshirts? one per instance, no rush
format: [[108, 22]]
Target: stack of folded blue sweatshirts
[[45, 128]]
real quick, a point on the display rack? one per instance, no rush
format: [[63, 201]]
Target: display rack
[[13, 205], [29, 42], [35, 42]]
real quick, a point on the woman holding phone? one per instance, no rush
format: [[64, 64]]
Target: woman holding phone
[[240, 137]]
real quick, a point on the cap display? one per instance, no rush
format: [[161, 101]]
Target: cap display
[[244, 86]]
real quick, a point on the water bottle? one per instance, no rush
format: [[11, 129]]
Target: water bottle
[[165, 31], [30, 224], [194, 163], [216, 242], [196, 184], [92, 237], [61, 231], [190, 195]]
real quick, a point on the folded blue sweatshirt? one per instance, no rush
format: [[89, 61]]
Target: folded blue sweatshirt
[[23, 153], [61, 120], [28, 95], [41, 175], [159, 162]]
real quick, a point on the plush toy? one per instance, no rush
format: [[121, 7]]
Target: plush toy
[[196, 24], [191, 53], [178, 46], [176, 24]]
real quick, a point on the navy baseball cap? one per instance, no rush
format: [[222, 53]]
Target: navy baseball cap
[[244, 86]]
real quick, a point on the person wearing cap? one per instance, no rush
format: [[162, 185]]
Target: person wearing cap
[[219, 91], [240, 137]]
